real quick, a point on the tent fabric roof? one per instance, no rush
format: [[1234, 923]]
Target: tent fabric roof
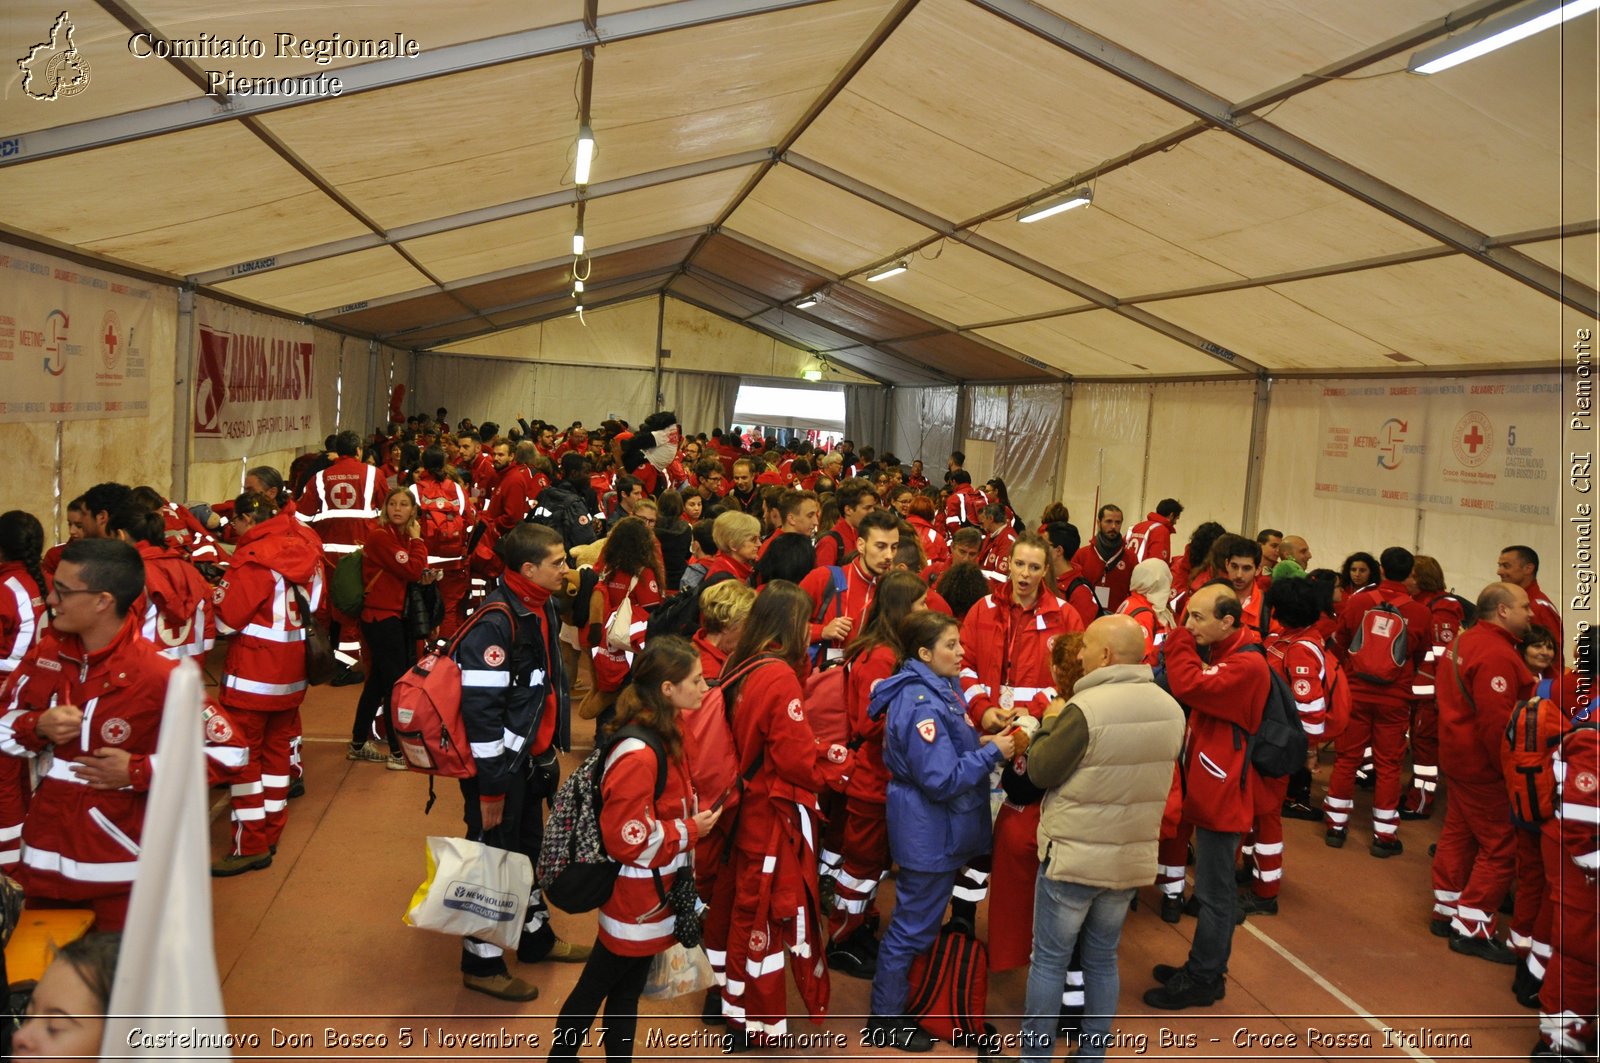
[[1272, 191]]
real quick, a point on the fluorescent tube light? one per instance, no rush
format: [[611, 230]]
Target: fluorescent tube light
[[585, 155], [812, 375], [807, 303], [1497, 33], [890, 271], [1081, 198], [577, 241]]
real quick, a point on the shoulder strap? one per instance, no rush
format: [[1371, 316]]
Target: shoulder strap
[[837, 582], [1455, 660], [649, 738]]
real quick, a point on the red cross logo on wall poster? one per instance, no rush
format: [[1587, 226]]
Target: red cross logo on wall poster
[[1473, 439], [343, 495]]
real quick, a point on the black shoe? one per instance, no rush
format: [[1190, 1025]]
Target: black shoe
[[1383, 848], [1333, 839], [1484, 949], [740, 1041], [1184, 990], [1366, 779], [1171, 907], [1163, 972], [1300, 810], [1251, 904], [1525, 987], [1243, 876], [901, 1033], [1412, 814], [1191, 907], [1508, 906], [1440, 928], [711, 1010], [349, 677], [1070, 1024], [297, 788], [848, 958]]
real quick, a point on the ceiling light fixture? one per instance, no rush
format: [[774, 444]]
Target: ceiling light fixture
[[577, 241], [1497, 33], [807, 302], [1080, 198], [812, 375], [888, 271], [577, 288], [585, 155]]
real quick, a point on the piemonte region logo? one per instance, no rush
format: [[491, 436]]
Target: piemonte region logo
[[55, 68], [1390, 448], [1473, 439]]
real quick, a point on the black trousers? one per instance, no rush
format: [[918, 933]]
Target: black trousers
[[521, 830], [390, 653], [616, 980]]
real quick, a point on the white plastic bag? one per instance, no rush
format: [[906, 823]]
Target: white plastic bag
[[678, 972], [473, 890], [619, 633]]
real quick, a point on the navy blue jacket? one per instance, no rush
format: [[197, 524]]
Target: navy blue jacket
[[938, 808]]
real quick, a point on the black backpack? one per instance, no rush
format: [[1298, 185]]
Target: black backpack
[[575, 871], [1278, 748], [680, 615], [1072, 588], [567, 513]]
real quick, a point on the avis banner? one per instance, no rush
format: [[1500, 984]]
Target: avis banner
[[253, 383], [1490, 448], [74, 342]]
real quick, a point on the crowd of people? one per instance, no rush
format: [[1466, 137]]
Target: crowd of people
[[892, 659]]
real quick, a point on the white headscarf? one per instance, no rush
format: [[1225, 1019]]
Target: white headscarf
[[1153, 579], [666, 447]]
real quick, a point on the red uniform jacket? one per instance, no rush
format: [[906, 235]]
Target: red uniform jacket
[[49, 562], [1476, 699], [836, 543], [513, 498], [80, 842], [1226, 689], [852, 602], [729, 564], [647, 835], [936, 602], [711, 658], [21, 613], [484, 478], [266, 665], [995, 557], [962, 507], [1005, 645], [173, 611], [340, 502], [439, 503], [389, 564], [870, 779], [1300, 658], [934, 544], [1110, 575], [1151, 537], [769, 720], [1081, 598], [1419, 639]]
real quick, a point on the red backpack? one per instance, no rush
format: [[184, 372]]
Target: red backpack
[[1533, 732], [950, 986], [1379, 650], [827, 708], [708, 737], [427, 710], [444, 526], [1337, 689]]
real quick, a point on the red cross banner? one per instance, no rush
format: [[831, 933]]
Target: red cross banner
[[1489, 446], [74, 342], [253, 383]]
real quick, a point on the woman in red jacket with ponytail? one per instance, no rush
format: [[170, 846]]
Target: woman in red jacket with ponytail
[[393, 557]]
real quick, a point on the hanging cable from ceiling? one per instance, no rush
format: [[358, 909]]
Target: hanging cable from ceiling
[[583, 157]]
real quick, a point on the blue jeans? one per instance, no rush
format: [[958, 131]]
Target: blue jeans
[[1060, 911]]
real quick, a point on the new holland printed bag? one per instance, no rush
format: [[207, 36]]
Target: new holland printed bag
[[473, 890]]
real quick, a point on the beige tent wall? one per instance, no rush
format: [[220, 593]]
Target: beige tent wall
[[1027, 426], [923, 425], [1107, 440], [1465, 545]]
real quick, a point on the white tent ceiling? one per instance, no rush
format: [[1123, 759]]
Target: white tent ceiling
[[1272, 191]]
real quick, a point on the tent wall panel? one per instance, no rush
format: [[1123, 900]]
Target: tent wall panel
[[1025, 424], [32, 445], [590, 394], [923, 422], [484, 389], [1199, 453], [867, 412], [702, 401], [1109, 434]]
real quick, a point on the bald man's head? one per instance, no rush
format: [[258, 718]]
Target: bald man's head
[[1213, 614], [1506, 605], [1297, 550], [1112, 640]]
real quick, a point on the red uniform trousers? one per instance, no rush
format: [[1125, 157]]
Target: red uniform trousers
[[261, 791], [864, 852], [715, 882], [1532, 893], [1383, 726], [1476, 856], [1263, 845], [753, 993], [15, 789], [1172, 851], [1014, 877], [1424, 755], [453, 592], [1571, 983]]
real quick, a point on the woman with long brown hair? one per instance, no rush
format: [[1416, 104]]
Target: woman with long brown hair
[[769, 901], [629, 568], [648, 836]]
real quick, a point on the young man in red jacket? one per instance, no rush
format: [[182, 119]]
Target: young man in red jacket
[[962, 507], [998, 539], [1103, 560], [1380, 700], [1478, 684], [856, 499], [1520, 565], [1152, 537], [1225, 692]]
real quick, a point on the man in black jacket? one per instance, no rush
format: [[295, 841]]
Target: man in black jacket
[[514, 705]]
